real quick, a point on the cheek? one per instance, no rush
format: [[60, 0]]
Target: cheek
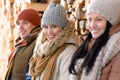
[[30, 28], [57, 31], [103, 28], [27, 29], [88, 26], [44, 31]]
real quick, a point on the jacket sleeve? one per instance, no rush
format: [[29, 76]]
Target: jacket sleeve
[[115, 68], [63, 62]]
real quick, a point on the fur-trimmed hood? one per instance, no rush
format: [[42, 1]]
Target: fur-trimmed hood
[[115, 29], [44, 47], [107, 53]]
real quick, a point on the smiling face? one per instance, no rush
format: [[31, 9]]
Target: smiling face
[[50, 31], [24, 28], [96, 24]]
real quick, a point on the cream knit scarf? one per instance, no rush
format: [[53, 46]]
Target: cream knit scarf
[[45, 50], [105, 55], [47, 64]]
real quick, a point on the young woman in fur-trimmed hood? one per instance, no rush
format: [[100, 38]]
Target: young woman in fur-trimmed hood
[[98, 58], [55, 45]]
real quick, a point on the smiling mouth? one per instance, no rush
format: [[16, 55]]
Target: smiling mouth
[[95, 31], [50, 37]]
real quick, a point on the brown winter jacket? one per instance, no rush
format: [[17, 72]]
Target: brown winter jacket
[[112, 69], [18, 64]]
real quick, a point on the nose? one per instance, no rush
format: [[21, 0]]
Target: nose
[[49, 31], [92, 24]]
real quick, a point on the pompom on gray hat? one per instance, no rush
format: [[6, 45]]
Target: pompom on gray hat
[[54, 14], [109, 9]]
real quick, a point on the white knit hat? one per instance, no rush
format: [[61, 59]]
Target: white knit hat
[[109, 9], [54, 14]]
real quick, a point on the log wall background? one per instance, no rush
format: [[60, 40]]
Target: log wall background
[[9, 8]]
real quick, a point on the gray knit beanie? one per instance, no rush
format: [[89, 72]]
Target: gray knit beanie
[[109, 9], [54, 14]]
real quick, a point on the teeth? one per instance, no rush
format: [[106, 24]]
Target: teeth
[[51, 37], [95, 31], [22, 32]]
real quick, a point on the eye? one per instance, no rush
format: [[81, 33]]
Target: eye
[[99, 19], [25, 22], [17, 23], [89, 20], [54, 26], [44, 26]]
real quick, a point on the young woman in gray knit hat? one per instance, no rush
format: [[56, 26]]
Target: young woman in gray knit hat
[[98, 57], [55, 45]]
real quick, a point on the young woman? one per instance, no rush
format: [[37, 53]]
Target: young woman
[[55, 45], [99, 55]]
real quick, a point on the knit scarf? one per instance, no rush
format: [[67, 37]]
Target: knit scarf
[[46, 63], [46, 53], [106, 54]]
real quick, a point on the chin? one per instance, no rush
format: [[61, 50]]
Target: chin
[[95, 37]]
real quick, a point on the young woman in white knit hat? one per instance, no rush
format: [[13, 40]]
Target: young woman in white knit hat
[[98, 58], [55, 45]]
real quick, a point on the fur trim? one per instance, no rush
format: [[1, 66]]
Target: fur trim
[[45, 47], [106, 54]]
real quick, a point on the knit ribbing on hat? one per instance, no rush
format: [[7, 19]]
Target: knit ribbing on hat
[[30, 15], [54, 14], [109, 9]]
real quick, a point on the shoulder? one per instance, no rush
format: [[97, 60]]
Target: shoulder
[[115, 65], [67, 53], [112, 44], [116, 59], [115, 38], [111, 49], [69, 50]]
